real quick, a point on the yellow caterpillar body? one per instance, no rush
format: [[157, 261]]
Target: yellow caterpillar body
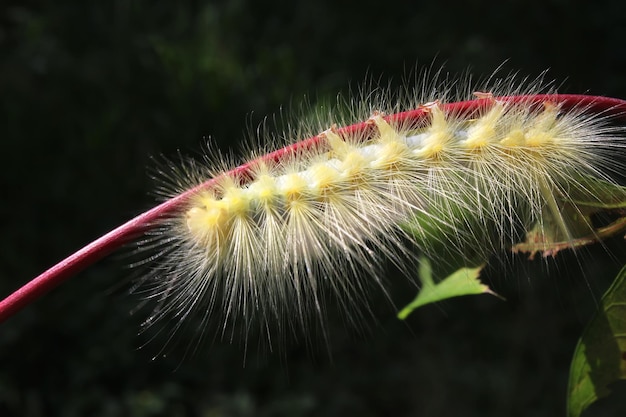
[[269, 242]]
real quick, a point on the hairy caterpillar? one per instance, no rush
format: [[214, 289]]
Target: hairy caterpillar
[[267, 240]]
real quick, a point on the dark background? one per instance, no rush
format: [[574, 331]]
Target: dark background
[[90, 91]]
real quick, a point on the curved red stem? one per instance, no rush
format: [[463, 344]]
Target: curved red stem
[[111, 241]]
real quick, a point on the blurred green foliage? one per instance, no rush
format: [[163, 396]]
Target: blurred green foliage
[[89, 91], [598, 360]]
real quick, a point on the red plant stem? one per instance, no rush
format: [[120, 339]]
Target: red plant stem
[[111, 241]]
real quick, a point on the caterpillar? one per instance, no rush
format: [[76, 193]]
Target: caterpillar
[[267, 241]]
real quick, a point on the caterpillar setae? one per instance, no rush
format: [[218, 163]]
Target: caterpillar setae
[[268, 240]]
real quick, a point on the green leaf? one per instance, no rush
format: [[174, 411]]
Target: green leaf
[[600, 356], [462, 282], [597, 194], [566, 221]]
